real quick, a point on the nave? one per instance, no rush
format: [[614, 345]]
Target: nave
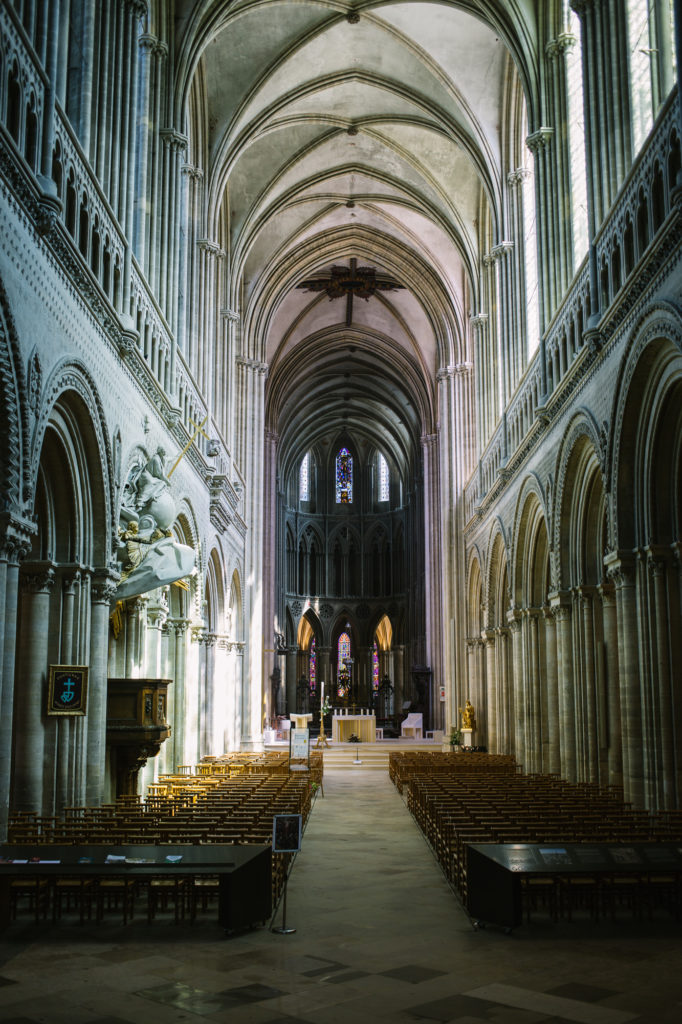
[[379, 936]]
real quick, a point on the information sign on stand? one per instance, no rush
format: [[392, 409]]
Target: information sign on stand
[[299, 750], [286, 838]]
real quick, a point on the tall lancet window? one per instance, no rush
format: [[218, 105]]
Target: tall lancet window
[[312, 665], [344, 477], [343, 652], [304, 479], [383, 478]]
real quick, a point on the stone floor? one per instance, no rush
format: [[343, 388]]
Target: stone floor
[[379, 936]]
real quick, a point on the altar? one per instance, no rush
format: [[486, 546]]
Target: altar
[[364, 726]]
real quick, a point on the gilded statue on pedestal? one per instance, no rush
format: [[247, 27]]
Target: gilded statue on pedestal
[[468, 716]]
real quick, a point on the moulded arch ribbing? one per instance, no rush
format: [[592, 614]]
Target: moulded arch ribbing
[[343, 243], [14, 432], [576, 461], [656, 342], [70, 376], [530, 488], [496, 600], [407, 197], [505, 17]]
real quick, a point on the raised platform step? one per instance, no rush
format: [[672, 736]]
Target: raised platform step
[[370, 755]]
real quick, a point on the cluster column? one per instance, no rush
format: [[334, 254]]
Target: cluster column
[[38, 580], [14, 546], [102, 591]]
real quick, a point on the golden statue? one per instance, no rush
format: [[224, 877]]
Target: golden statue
[[468, 717]]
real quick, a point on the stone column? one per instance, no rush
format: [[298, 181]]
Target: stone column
[[432, 557], [15, 543], [491, 685], [479, 328], [225, 413], [157, 613], [552, 763], [590, 706], [70, 586], [502, 676], [620, 569], [516, 723], [399, 680], [534, 701], [521, 329], [156, 162], [147, 44], [612, 685], [561, 252], [45, 180], [179, 721], [664, 717], [37, 584], [538, 143], [102, 590], [251, 414], [562, 613]]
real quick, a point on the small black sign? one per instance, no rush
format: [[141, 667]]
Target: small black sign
[[67, 690], [286, 833]]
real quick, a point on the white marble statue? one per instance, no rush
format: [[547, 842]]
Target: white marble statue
[[147, 552]]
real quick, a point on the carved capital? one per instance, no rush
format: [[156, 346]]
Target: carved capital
[[38, 577], [582, 7], [231, 315], [148, 42], [211, 248], [174, 140], [518, 177], [103, 587], [478, 321], [538, 140], [15, 537], [563, 42], [138, 8], [190, 171], [70, 580], [502, 250], [252, 364]]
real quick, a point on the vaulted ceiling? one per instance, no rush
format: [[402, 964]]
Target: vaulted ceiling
[[331, 131]]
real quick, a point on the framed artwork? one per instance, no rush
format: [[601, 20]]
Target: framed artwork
[[67, 690], [286, 833]]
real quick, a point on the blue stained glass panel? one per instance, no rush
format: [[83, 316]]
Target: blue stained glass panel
[[344, 477]]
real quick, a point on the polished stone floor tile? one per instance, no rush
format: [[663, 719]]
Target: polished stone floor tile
[[414, 974]]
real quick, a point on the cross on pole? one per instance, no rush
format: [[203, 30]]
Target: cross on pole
[[198, 429]]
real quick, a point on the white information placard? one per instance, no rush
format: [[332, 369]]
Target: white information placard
[[300, 744]]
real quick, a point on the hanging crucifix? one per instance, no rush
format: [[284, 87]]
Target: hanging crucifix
[[350, 281]]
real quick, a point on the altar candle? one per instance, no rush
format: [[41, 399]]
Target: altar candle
[[321, 691]]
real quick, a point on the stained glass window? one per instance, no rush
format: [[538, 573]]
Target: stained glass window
[[304, 479], [383, 479], [312, 666], [375, 667], [344, 477], [342, 675]]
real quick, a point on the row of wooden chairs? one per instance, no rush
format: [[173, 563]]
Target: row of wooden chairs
[[182, 808], [477, 798]]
